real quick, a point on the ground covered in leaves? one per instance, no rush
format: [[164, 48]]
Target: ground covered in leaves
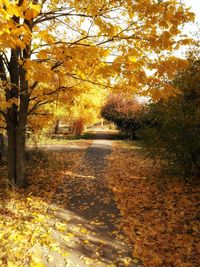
[[86, 205], [160, 214], [24, 222], [57, 213]]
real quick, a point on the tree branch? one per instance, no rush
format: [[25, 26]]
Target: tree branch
[[89, 81], [54, 15], [39, 104]]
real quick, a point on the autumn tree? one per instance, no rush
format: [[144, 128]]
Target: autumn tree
[[86, 108], [51, 46], [83, 105], [122, 111]]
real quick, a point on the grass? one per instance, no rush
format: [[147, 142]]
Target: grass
[[64, 140], [130, 144]]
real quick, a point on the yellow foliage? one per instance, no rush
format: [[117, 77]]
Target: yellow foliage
[[62, 47], [42, 54]]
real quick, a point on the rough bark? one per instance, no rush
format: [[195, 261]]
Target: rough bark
[[11, 154], [16, 122], [16, 114], [1, 147], [21, 131], [12, 115], [20, 158], [16, 149]]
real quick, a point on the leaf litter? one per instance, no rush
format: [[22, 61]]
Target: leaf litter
[[160, 215], [24, 222]]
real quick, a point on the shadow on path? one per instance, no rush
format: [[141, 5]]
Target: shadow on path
[[91, 236]]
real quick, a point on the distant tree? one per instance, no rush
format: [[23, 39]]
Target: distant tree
[[122, 112]]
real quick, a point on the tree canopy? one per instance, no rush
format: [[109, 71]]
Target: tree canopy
[[51, 46]]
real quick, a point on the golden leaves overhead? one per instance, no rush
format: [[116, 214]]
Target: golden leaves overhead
[[60, 44]]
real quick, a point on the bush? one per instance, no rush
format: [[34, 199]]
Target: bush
[[171, 128], [123, 113], [87, 136]]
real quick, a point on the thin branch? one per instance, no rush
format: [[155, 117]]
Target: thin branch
[[40, 114], [122, 31], [39, 104], [61, 88], [79, 40], [70, 43], [89, 81], [55, 16]]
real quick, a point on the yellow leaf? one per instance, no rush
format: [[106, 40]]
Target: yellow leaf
[[60, 226], [83, 230], [36, 261], [11, 264], [37, 8], [43, 33], [48, 38], [42, 54], [37, 264], [29, 14], [132, 59], [70, 234]]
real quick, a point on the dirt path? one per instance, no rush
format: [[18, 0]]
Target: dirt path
[[86, 226]]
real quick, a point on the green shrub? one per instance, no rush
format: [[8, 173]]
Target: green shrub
[[171, 128]]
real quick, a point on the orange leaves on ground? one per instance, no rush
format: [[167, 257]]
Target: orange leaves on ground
[[24, 224], [159, 215]]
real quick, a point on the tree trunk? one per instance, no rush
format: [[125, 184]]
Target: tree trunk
[[1, 147], [16, 114], [16, 155], [20, 158], [20, 140], [21, 130], [16, 142], [56, 129], [11, 154]]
